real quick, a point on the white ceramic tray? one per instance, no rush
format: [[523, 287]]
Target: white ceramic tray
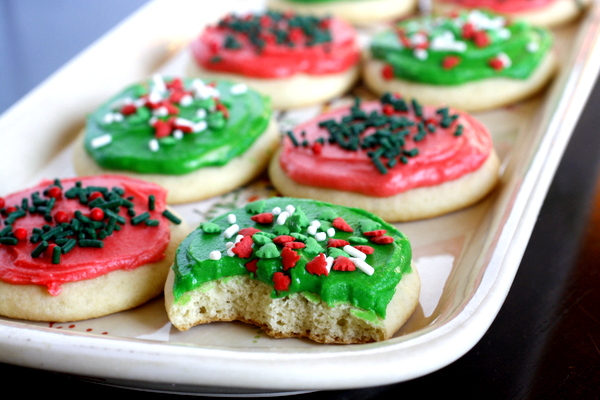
[[467, 260]]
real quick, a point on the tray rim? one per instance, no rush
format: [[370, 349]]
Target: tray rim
[[43, 344]]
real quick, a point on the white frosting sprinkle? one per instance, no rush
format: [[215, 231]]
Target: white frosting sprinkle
[[354, 252], [101, 141], [362, 265], [215, 255], [153, 145], [238, 89], [232, 230]]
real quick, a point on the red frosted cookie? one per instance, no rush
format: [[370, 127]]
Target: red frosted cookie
[[80, 248], [297, 60], [393, 157]]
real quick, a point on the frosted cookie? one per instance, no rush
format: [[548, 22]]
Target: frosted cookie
[[471, 61], [296, 268], [549, 13], [392, 157], [75, 249], [359, 12], [195, 138], [296, 60]]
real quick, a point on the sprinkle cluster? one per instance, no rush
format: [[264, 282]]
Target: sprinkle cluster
[[64, 231], [172, 108], [292, 236], [274, 28], [456, 34], [383, 134]]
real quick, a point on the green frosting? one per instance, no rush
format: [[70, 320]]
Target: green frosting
[[453, 50], [194, 266], [175, 126]]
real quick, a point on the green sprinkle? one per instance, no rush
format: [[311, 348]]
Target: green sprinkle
[[210, 227], [68, 246], [168, 215], [459, 130], [8, 240], [39, 249], [151, 202], [138, 219], [256, 207], [152, 222], [268, 250], [56, 252], [91, 243]]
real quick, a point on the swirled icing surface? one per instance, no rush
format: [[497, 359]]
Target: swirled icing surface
[[340, 254], [175, 126], [452, 50], [75, 229], [277, 45], [382, 148]]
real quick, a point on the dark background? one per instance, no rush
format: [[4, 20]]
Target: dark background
[[544, 343]]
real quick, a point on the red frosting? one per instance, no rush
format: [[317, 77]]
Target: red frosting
[[503, 6], [128, 248], [277, 60], [442, 156]]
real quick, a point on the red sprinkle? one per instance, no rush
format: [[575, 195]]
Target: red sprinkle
[[252, 265], [383, 239], [94, 195], [2, 202], [281, 281], [318, 265], [342, 225], [450, 62], [481, 39], [248, 231], [221, 107], [388, 109], [337, 242], [317, 147], [55, 192], [128, 109], [365, 249], [20, 233], [96, 214], [282, 239], [61, 217], [468, 31], [295, 245], [497, 64], [263, 218], [343, 264], [377, 232], [161, 128], [289, 258], [243, 248], [387, 72]]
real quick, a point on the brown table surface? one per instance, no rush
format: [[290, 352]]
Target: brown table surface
[[545, 341]]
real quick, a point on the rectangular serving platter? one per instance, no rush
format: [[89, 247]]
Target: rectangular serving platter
[[467, 260]]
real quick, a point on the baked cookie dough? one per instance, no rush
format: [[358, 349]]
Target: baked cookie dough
[[548, 13], [82, 248], [296, 268], [393, 157], [358, 12], [195, 138], [472, 61], [296, 60]]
